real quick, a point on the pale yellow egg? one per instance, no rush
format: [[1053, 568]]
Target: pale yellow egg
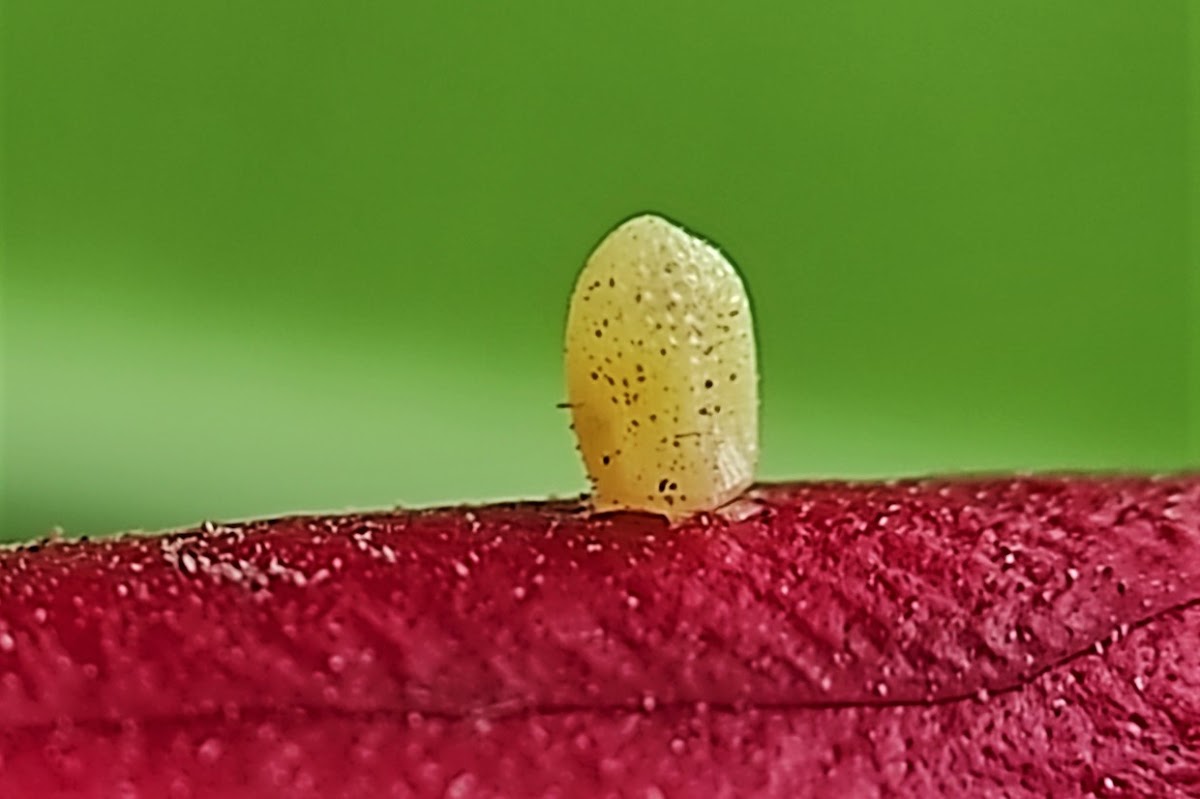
[[662, 375]]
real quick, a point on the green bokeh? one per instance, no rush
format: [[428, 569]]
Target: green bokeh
[[263, 257]]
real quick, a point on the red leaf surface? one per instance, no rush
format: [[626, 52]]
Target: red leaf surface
[[1024, 637]]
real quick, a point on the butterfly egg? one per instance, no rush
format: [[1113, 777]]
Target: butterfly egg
[[662, 378]]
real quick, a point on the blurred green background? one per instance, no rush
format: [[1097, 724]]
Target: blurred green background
[[273, 256]]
